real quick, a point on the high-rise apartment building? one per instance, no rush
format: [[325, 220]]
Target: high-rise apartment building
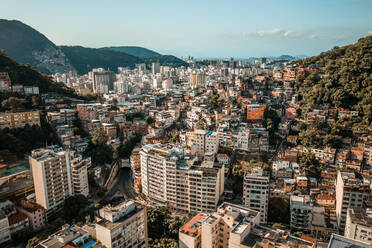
[[256, 192], [51, 172], [19, 119], [228, 227], [301, 212], [173, 177], [103, 81], [57, 175], [79, 172], [350, 193], [124, 225], [359, 222], [155, 68], [198, 79]]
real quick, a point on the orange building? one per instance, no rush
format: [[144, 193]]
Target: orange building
[[255, 111]]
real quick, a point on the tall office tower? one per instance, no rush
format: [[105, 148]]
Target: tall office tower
[[124, 225], [198, 79], [173, 177], [205, 142], [256, 192], [51, 172], [350, 193], [228, 227], [263, 60], [359, 222], [79, 172], [103, 81], [155, 68]]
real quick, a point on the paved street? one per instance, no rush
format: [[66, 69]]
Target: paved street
[[122, 186]]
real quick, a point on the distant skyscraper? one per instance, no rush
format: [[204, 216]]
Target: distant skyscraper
[[155, 68], [263, 60]]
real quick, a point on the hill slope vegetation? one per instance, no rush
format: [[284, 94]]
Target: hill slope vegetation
[[346, 80]]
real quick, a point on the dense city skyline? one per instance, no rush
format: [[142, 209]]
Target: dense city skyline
[[208, 29]]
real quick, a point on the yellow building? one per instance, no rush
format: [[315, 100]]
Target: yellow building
[[19, 119]]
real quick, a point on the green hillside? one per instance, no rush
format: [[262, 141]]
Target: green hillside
[[347, 80], [140, 52], [166, 60], [30, 76], [85, 59]]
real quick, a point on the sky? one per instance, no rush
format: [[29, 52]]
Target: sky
[[203, 28]]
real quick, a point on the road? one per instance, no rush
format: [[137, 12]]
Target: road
[[122, 186]]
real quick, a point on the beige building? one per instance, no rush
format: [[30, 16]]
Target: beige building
[[350, 193], [19, 119], [51, 173], [79, 171], [124, 225], [228, 227], [35, 213], [172, 177]]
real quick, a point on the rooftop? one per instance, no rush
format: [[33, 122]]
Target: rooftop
[[338, 241], [193, 225]]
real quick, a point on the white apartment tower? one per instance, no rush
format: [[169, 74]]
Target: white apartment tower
[[171, 176], [350, 193], [256, 192]]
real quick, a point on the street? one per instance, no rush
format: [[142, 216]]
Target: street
[[122, 186]]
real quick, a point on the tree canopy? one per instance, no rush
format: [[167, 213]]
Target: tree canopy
[[346, 80]]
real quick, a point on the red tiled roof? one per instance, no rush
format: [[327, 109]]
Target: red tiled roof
[[16, 218]]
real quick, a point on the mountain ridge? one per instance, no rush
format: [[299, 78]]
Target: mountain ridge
[[27, 45], [137, 51]]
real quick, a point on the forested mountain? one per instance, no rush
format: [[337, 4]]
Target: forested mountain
[[27, 45], [344, 80], [30, 76], [167, 60], [140, 52], [85, 59]]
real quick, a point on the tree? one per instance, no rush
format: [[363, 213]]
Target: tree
[[73, 205], [99, 137], [13, 103], [157, 219], [150, 120], [33, 242], [311, 163], [163, 243]]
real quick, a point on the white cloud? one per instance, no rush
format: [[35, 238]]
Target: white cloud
[[369, 32], [276, 33]]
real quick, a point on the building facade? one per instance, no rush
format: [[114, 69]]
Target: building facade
[[256, 192], [19, 119], [124, 225], [172, 177], [51, 173]]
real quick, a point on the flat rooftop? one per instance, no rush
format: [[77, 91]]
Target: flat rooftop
[[193, 225]]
